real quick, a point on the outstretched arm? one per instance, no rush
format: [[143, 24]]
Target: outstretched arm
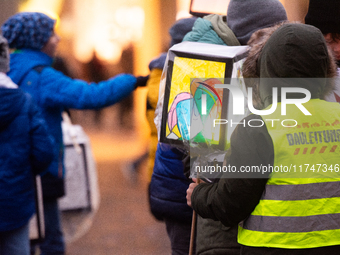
[[62, 91]]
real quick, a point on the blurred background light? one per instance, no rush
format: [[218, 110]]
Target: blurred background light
[[51, 8]]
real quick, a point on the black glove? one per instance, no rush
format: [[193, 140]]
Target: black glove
[[141, 81]]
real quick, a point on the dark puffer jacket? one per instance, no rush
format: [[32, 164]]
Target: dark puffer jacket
[[298, 51], [25, 150], [168, 185]]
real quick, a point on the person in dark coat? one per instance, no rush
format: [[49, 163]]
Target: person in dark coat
[[32, 36], [25, 151], [243, 18], [260, 205], [168, 182]]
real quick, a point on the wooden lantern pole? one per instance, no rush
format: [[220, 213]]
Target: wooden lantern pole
[[193, 229]]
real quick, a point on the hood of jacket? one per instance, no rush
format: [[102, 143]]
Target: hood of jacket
[[158, 62], [203, 31], [12, 102], [22, 61], [212, 29], [293, 51], [219, 23]]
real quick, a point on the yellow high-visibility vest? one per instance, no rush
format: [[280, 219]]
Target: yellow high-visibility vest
[[303, 212]]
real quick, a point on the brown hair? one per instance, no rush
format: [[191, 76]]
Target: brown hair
[[335, 36]]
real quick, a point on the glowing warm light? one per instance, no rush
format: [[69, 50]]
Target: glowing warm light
[[83, 50], [130, 21], [106, 29], [130, 17], [212, 6], [108, 51], [51, 8], [182, 14], [183, 7]]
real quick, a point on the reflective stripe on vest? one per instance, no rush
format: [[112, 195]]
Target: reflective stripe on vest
[[299, 213]]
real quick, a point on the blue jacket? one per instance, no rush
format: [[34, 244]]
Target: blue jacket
[[53, 92], [169, 185], [24, 151]]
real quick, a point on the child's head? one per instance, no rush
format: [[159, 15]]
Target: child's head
[[28, 30], [4, 55], [291, 50], [333, 40], [325, 15]]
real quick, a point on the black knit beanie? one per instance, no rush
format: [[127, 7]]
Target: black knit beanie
[[4, 55], [244, 17], [325, 15]]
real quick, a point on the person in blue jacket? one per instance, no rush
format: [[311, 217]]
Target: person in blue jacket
[[32, 36], [25, 151]]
